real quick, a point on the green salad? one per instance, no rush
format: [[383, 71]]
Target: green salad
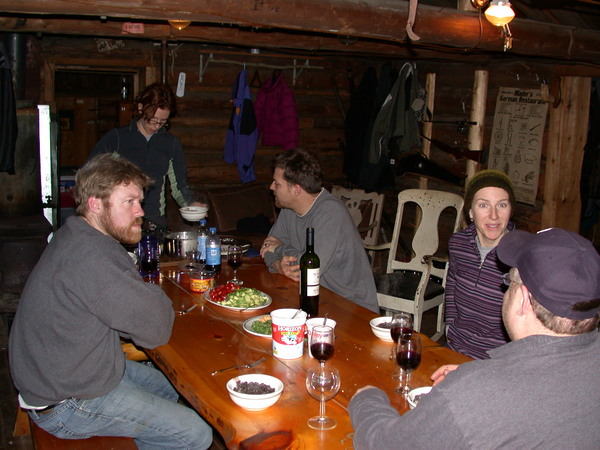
[[262, 325], [245, 298]]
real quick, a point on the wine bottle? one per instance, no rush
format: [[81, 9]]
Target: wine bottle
[[310, 273]]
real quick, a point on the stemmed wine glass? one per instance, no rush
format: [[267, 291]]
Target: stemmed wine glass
[[402, 323], [322, 383], [235, 256], [408, 357], [321, 342]]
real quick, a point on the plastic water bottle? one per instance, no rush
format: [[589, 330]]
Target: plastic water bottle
[[202, 236], [213, 251]]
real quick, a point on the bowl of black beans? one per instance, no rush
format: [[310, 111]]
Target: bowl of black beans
[[255, 391], [381, 327]]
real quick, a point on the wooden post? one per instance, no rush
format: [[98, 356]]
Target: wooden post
[[567, 135], [475, 139], [428, 126]]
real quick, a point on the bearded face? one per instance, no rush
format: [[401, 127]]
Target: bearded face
[[129, 233], [121, 215]]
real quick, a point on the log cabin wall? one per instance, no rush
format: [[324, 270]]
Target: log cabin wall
[[204, 110]]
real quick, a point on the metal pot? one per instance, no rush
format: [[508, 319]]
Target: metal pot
[[178, 243]]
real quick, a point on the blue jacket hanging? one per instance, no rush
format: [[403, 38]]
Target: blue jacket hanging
[[242, 135]]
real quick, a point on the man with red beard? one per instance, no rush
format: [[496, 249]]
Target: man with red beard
[[84, 294]]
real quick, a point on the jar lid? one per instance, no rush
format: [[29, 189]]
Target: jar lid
[[202, 274]]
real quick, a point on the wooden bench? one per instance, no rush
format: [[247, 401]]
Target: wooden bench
[[42, 440], [45, 441]]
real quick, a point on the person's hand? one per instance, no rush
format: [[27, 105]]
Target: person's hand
[[288, 266], [440, 375], [269, 245]]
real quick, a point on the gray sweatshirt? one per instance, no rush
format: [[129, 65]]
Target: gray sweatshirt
[[536, 392], [82, 295], [345, 267]]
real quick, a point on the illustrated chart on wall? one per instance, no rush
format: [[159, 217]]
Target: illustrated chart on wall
[[516, 143]]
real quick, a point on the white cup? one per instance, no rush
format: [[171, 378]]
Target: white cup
[[288, 327]]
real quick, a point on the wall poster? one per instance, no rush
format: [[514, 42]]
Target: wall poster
[[516, 143]]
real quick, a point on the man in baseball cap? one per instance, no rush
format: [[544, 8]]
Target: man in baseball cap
[[559, 268], [539, 390]]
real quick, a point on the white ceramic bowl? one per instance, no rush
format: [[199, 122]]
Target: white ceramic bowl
[[255, 402], [193, 213], [415, 393], [381, 333]]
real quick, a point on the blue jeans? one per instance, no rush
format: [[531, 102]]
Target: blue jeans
[[142, 406]]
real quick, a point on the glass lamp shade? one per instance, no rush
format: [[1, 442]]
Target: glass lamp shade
[[180, 24], [499, 13]]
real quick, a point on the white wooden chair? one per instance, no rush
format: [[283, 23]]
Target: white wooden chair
[[414, 281], [365, 209]]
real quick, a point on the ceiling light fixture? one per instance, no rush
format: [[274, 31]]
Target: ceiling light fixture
[[498, 13], [180, 24]]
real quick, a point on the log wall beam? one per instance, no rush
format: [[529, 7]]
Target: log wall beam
[[567, 135], [376, 20]]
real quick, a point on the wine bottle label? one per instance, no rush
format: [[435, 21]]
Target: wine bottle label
[[312, 277], [312, 291]]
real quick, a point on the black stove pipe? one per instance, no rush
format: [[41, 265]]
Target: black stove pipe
[[16, 47]]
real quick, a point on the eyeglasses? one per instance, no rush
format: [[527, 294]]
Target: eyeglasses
[[506, 279], [157, 122]]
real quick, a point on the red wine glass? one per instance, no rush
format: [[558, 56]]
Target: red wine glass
[[408, 357], [235, 257], [402, 323], [321, 342]]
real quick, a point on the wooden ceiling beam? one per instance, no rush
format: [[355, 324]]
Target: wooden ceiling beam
[[377, 26]]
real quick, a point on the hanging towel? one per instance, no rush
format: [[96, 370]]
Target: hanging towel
[[242, 134], [276, 114], [8, 114]]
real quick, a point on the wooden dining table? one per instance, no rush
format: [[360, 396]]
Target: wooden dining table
[[212, 337]]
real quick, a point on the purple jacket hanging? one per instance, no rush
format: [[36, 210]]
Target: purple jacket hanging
[[242, 134], [276, 113]]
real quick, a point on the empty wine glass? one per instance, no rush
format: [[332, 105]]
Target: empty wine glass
[[408, 357], [402, 323], [235, 256], [322, 383], [321, 342]]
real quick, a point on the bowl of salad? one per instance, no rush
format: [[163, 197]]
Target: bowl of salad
[[232, 296], [259, 325]]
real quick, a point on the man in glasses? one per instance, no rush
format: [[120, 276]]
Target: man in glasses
[[537, 391], [147, 143]]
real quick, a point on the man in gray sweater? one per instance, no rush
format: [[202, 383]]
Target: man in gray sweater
[[84, 294], [538, 391], [345, 267]]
